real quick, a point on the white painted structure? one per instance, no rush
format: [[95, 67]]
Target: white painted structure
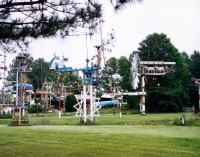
[[87, 112], [148, 68]]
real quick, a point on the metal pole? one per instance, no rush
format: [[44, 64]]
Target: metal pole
[[4, 79], [91, 99], [120, 110], [17, 88], [143, 96], [64, 100], [91, 104], [84, 98], [19, 115], [50, 96], [23, 110], [199, 98], [59, 115]]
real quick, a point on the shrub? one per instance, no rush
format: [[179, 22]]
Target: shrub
[[70, 102], [33, 108], [177, 121], [190, 122]]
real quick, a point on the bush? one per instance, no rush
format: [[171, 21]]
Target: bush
[[177, 121], [33, 108], [70, 102], [190, 122]]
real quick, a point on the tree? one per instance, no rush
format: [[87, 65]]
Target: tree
[[172, 94], [23, 20], [121, 4], [70, 102], [37, 101], [12, 74], [112, 65], [41, 73], [43, 19], [124, 70], [194, 66]]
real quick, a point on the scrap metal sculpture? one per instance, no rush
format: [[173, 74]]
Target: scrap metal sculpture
[[144, 69], [87, 71]]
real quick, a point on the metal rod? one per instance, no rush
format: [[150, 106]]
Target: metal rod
[[17, 89]]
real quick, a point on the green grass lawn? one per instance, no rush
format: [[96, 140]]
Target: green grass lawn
[[99, 140], [107, 118], [132, 135], [110, 119]]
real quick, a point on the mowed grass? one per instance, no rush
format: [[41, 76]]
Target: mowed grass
[[99, 141], [132, 135], [110, 119], [106, 118]]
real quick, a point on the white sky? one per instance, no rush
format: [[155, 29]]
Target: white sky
[[178, 19]]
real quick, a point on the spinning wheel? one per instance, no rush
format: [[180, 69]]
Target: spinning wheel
[[134, 71]]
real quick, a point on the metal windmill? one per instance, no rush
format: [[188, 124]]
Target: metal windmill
[[87, 71], [21, 86], [145, 69]]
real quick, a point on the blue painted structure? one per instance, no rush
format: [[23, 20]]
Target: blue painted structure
[[23, 86], [107, 103]]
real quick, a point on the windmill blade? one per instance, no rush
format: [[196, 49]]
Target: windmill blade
[[134, 71]]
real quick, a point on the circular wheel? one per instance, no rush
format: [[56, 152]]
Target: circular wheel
[[134, 71]]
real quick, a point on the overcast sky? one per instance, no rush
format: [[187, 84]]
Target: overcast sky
[[178, 19]]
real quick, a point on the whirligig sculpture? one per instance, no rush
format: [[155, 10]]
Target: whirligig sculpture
[[87, 72], [21, 87], [144, 69]]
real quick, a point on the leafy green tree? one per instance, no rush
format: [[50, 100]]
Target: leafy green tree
[[112, 64], [173, 92], [9, 99], [12, 74], [105, 80], [194, 66], [37, 101], [71, 78], [41, 73], [70, 102], [124, 70], [132, 101], [124, 66], [186, 58], [35, 109]]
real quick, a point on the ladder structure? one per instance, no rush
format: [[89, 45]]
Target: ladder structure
[[20, 113], [3, 69]]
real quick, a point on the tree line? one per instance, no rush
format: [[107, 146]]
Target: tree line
[[44, 19], [168, 93]]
